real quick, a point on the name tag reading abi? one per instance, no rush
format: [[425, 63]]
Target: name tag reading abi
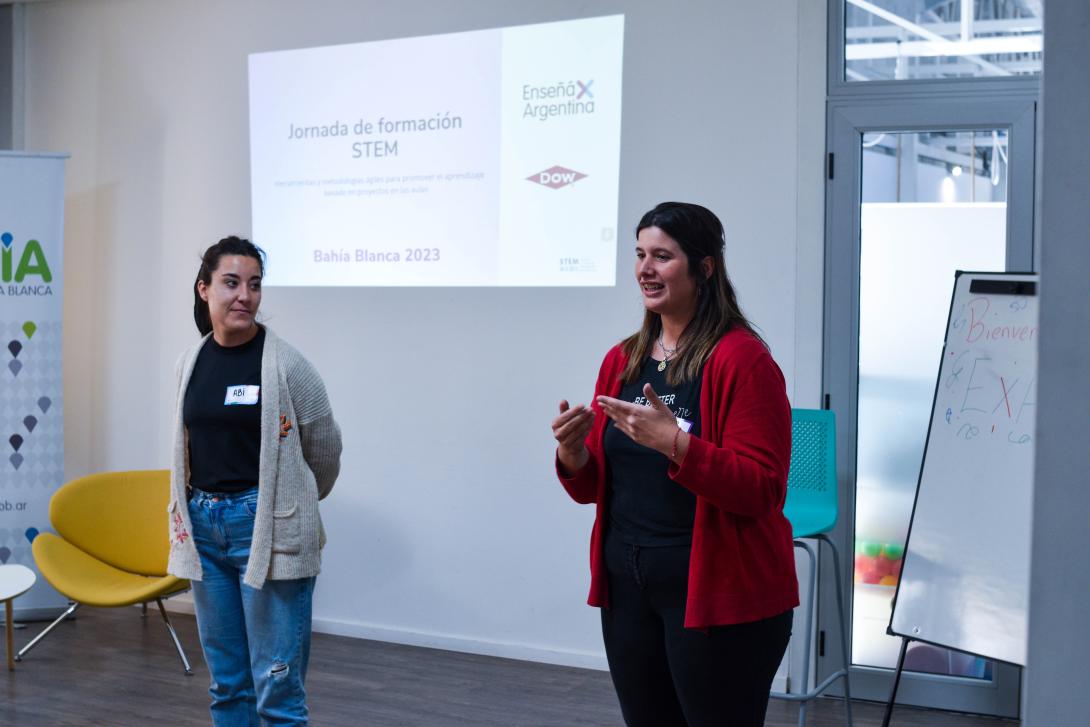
[[246, 395]]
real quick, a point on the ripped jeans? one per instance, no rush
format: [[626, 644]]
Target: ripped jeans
[[256, 642]]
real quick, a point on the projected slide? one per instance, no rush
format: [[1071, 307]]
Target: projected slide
[[482, 158]]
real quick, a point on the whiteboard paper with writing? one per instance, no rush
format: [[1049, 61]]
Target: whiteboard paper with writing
[[965, 578]]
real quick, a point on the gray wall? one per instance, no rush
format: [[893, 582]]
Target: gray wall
[[1057, 680], [447, 526]]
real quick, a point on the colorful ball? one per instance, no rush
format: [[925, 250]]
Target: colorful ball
[[871, 577], [872, 550]]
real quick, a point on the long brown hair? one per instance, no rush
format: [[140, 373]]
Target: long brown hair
[[699, 233]]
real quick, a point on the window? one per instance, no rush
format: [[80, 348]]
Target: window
[[886, 40]]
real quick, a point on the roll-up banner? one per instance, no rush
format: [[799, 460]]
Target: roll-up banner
[[31, 408]]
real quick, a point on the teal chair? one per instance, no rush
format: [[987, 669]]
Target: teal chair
[[811, 508]]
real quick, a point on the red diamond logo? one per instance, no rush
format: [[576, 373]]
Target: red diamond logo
[[556, 177]]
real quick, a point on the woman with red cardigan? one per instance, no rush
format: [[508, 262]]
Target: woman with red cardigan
[[684, 452]]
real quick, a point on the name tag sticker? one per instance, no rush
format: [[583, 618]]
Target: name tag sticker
[[685, 424], [241, 394]]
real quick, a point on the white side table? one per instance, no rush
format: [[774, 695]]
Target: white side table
[[15, 580]]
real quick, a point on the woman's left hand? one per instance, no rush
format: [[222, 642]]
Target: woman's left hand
[[653, 426]]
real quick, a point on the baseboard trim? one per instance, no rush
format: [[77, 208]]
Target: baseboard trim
[[431, 640], [484, 647]]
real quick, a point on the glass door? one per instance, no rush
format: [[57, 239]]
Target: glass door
[[932, 203], [906, 208]]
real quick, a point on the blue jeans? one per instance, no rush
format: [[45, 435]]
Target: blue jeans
[[256, 642]]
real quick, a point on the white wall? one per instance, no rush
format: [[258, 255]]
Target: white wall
[[447, 525]]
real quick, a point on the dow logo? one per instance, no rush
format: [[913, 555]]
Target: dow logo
[[31, 260], [556, 177]]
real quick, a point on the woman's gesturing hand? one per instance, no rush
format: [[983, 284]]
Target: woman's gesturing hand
[[653, 426], [571, 429]]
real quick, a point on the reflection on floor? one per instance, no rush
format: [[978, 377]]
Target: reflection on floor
[[110, 667]]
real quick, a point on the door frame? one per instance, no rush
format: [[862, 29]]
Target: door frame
[[848, 117]]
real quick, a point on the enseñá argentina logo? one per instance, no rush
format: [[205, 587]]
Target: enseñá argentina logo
[[31, 262], [22, 266], [556, 177]]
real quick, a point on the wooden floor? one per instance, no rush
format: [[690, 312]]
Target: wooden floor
[[111, 667]]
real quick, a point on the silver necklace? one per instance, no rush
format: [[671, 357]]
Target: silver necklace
[[666, 353]]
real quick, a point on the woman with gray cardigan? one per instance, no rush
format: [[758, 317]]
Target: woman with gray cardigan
[[255, 449]]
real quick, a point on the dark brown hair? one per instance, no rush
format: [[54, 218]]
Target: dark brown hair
[[699, 233], [210, 261]]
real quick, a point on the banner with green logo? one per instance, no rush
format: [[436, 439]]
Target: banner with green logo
[[31, 424]]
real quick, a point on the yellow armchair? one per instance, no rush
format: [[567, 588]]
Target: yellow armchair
[[111, 545]]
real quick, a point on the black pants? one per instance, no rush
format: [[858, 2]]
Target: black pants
[[668, 675]]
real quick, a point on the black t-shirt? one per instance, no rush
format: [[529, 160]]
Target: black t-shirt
[[646, 507], [222, 414]]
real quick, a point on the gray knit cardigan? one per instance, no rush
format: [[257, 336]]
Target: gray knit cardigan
[[294, 471]]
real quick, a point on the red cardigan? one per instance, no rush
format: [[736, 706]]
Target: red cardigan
[[742, 566]]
